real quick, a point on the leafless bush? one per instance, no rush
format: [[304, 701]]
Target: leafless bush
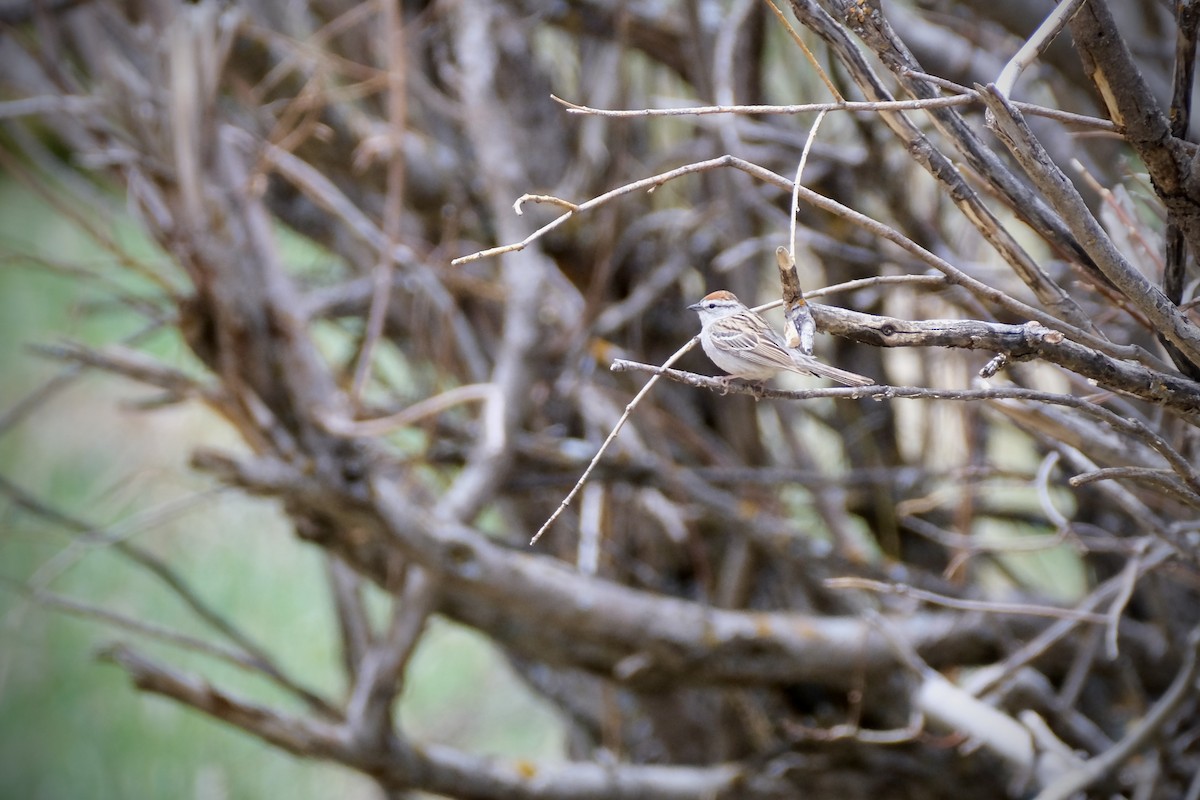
[[751, 596]]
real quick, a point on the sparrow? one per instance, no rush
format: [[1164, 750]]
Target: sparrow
[[741, 342]]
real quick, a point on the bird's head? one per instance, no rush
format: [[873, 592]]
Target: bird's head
[[717, 305]]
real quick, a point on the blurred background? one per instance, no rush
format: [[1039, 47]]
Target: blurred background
[[71, 727]]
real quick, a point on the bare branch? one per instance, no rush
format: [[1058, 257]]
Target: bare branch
[[985, 606], [369, 711], [1147, 297], [440, 769], [1036, 45], [963, 96], [1018, 342], [612, 435], [1182, 688]]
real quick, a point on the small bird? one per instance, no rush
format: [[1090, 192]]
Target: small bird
[[741, 342]]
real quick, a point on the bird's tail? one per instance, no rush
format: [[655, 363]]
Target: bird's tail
[[842, 376]]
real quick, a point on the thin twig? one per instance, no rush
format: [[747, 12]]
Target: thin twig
[[651, 183], [799, 326], [986, 606], [381, 426], [800, 108], [808, 54], [808, 142], [1129, 575], [965, 97], [656, 374], [1042, 482], [393, 207]]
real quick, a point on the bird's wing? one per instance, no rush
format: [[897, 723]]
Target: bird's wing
[[753, 342], [732, 337], [757, 343]]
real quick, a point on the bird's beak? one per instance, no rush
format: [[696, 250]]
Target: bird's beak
[[694, 307]]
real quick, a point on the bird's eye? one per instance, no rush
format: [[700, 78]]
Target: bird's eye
[[712, 305]]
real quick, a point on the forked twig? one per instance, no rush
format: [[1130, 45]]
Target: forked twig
[[651, 183]]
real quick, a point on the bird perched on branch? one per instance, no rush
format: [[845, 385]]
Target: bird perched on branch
[[741, 342]]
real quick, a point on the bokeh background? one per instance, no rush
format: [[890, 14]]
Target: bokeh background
[[73, 727]]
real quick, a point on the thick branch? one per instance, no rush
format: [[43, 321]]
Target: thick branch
[[1031, 340], [539, 607], [643, 637], [442, 770]]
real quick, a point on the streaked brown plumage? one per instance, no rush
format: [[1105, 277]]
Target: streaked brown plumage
[[741, 342]]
